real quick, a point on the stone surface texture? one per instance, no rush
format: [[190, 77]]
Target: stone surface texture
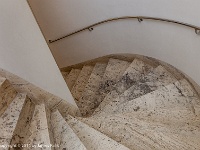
[[7, 94], [36, 94], [136, 71], [88, 100], [72, 77], [168, 97], [81, 82], [2, 80], [142, 135], [9, 119], [113, 73], [64, 136], [124, 104], [65, 74], [156, 79], [22, 128], [39, 131], [91, 138]]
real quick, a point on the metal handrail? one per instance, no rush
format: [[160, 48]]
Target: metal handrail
[[139, 18]]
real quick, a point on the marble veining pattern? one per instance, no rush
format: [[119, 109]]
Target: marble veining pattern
[[88, 103], [81, 82], [91, 138], [164, 98], [72, 77], [63, 134], [88, 100], [156, 79], [107, 102], [136, 70], [96, 77], [114, 72], [39, 133], [9, 119]]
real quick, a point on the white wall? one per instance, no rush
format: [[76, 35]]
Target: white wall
[[177, 45], [24, 52]]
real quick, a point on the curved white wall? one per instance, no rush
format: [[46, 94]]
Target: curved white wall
[[177, 45], [24, 52]]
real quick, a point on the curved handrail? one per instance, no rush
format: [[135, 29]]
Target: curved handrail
[[139, 18]]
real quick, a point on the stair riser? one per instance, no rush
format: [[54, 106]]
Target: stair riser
[[7, 94], [39, 129], [156, 79], [63, 134], [22, 127], [9, 119]]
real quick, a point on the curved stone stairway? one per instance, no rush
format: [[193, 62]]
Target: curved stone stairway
[[124, 105]]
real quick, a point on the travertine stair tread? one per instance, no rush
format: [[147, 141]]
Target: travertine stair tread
[[81, 82], [96, 77], [135, 71], [66, 108], [185, 88], [181, 123], [176, 117], [113, 73], [50, 130], [64, 136], [88, 98], [140, 135], [187, 91], [121, 132], [2, 80], [39, 130], [91, 138], [7, 94], [72, 77], [133, 106], [169, 96], [156, 79], [178, 121], [9, 119], [22, 128]]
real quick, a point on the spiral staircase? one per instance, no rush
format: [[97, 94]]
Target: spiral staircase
[[124, 105]]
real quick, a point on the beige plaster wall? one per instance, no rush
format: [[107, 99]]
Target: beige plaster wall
[[174, 44], [24, 52]]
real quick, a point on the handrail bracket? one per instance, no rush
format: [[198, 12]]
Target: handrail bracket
[[197, 31], [90, 29], [140, 19]]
